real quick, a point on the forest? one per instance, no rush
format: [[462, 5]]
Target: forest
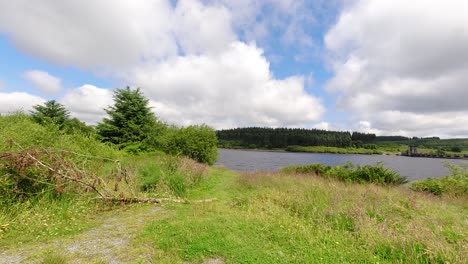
[[282, 138], [261, 137]]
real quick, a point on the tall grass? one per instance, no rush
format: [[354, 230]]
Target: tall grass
[[296, 218]]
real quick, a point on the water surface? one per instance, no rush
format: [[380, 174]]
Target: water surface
[[413, 168]]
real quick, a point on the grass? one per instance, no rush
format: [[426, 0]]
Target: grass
[[285, 218], [45, 219], [335, 150], [281, 217]]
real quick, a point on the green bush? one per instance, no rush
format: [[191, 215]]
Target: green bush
[[455, 184], [316, 168], [353, 173], [196, 142]]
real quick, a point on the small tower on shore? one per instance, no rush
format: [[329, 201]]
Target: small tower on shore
[[413, 150]]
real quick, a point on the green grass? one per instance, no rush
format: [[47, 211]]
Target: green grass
[[335, 150], [45, 219], [284, 218]]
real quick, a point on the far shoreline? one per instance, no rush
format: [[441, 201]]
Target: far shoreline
[[284, 150]]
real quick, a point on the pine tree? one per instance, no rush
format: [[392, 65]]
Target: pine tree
[[130, 119], [50, 113]]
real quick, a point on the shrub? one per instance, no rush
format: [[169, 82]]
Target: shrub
[[353, 173], [315, 168], [196, 142], [455, 184]]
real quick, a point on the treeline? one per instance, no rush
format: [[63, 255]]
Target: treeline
[[260, 137], [132, 126]]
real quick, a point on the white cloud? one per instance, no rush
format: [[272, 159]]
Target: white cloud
[[2, 84], [110, 34], [44, 81], [104, 33], [322, 125], [185, 56], [402, 66], [88, 102], [202, 29], [18, 101], [233, 88]]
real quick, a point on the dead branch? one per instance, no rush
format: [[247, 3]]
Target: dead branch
[[153, 200], [59, 172]]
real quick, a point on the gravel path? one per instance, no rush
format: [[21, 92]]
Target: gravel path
[[110, 242]]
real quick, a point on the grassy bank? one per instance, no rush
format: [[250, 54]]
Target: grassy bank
[[268, 218], [293, 218], [335, 150]]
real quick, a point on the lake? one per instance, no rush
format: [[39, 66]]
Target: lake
[[250, 160]]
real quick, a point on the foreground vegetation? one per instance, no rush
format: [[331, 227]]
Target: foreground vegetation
[[277, 218], [62, 188], [293, 218]]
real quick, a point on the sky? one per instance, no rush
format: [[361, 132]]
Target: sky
[[387, 67]]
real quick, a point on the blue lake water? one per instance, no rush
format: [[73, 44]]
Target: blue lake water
[[412, 168]]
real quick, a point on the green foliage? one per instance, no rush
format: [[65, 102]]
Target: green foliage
[[196, 142], [50, 113], [258, 137], [455, 149], [130, 121], [19, 175], [75, 126], [455, 184], [334, 150], [363, 137], [352, 173], [170, 175]]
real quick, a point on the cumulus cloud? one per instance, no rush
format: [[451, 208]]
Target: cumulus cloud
[[18, 101], [44, 81], [104, 33], [87, 102], [228, 89], [186, 56], [402, 66]]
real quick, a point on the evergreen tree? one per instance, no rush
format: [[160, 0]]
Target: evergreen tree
[[50, 113], [130, 119]]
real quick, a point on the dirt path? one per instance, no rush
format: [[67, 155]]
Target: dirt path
[[110, 242]]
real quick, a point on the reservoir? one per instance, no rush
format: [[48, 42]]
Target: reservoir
[[411, 167]]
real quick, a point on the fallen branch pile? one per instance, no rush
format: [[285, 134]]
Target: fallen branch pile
[[27, 172]]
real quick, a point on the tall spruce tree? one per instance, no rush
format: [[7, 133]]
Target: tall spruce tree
[[130, 119], [50, 113]]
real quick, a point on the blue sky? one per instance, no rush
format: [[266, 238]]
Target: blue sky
[[386, 67]]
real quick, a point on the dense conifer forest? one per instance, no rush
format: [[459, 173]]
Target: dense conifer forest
[[282, 137]]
